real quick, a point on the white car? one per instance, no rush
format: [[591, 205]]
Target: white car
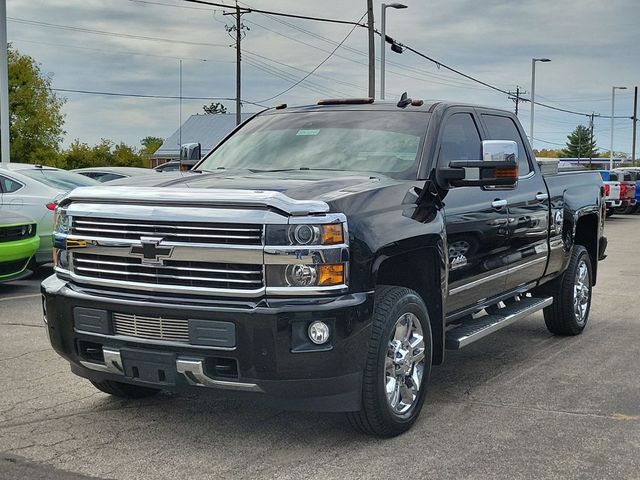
[[108, 174], [31, 191]]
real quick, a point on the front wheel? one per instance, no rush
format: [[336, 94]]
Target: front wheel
[[569, 312], [398, 364]]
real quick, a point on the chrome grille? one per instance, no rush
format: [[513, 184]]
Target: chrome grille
[[153, 328], [171, 273], [186, 232]]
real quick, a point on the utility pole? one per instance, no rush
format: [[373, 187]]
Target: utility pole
[[591, 138], [238, 28], [635, 122], [372, 50], [238, 66], [4, 86], [516, 97]]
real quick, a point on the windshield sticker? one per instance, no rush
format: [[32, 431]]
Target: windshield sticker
[[306, 133]]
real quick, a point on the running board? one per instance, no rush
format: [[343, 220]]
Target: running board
[[478, 328]]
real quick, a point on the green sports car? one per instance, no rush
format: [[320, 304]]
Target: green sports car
[[18, 243]]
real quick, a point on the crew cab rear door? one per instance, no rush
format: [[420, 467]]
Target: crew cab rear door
[[528, 206], [476, 219]]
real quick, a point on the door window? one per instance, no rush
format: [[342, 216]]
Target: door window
[[460, 139], [8, 185], [504, 128]]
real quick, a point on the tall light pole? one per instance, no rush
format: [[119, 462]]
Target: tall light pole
[[613, 104], [4, 86], [383, 38], [533, 93]]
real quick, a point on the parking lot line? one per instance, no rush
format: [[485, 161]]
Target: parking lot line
[[18, 297]]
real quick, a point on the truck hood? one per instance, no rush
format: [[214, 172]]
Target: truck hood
[[298, 184]]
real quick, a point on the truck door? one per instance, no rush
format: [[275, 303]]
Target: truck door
[[476, 220], [528, 208]]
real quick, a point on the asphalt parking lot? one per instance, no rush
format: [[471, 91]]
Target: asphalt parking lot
[[518, 404]]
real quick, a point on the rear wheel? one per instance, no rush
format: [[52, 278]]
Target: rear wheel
[[124, 390], [571, 293], [398, 364]]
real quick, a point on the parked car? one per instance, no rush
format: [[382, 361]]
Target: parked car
[[108, 174], [31, 190], [612, 191], [19, 242], [634, 174], [175, 165], [311, 261]]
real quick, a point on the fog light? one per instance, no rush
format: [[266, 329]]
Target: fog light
[[319, 332]]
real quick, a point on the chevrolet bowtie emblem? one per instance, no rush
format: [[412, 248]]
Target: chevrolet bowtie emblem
[[151, 251]]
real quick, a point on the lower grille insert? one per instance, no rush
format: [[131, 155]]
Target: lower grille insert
[[153, 328]]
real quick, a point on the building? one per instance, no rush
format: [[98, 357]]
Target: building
[[207, 130]]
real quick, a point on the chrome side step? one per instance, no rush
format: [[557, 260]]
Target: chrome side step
[[478, 328]]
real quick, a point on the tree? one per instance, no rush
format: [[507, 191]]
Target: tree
[[548, 153], [214, 108], [35, 112], [580, 144], [150, 145]]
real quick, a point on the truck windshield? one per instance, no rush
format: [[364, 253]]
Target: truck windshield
[[362, 141]]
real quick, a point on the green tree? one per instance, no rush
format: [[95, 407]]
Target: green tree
[[548, 153], [214, 108], [35, 112], [580, 144], [150, 145], [126, 156]]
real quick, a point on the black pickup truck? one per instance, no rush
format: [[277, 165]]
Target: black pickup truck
[[324, 257]]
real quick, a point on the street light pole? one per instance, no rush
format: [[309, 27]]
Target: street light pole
[[533, 93], [4, 86], [613, 103], [383, 38], [372, 50]]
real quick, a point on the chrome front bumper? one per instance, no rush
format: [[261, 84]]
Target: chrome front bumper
[[191, 368]]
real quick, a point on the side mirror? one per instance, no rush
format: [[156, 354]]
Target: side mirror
[[497, 169], [190, 151]]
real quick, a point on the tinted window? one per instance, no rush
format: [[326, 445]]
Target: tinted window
[[107, 177], [58, 178], [347, 140], [9, 186], [613, 177], [504, 128], [460, 139]]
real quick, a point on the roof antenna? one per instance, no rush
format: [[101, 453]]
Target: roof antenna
[[404, 100]]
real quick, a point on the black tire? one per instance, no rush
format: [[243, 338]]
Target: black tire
[[124, 390], [608, 212], [561, 317], [377, 416]]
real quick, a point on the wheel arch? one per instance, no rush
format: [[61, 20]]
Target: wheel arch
[[403, 268], [585, 233]]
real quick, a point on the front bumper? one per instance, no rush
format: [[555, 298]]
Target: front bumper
[[17, 254], [269, 355]]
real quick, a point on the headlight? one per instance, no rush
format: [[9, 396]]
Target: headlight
[[328, 234], [61, 221], [302, 275]]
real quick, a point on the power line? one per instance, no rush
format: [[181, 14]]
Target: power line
[[318, 66], [119, 52], [110, 34], [281, 14], [143, 95]]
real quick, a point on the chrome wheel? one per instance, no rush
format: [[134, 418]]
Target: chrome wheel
[[460, 247], [581, 292], [404, 363]]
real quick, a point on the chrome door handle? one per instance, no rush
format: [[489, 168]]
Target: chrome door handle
[[541, 197], [498, 204]]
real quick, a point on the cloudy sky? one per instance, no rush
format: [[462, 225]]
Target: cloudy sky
[[134, 47]]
